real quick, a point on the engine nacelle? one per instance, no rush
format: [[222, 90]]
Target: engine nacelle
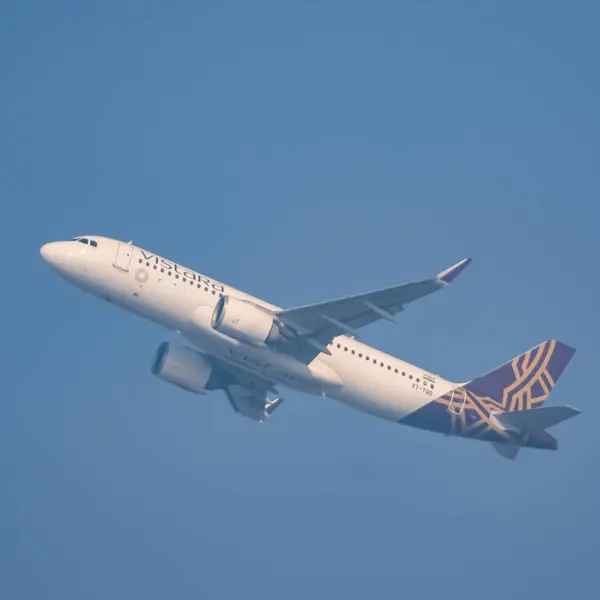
[[244, 321], [182, 367]]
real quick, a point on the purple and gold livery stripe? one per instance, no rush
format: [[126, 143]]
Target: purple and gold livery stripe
[[521, 384]]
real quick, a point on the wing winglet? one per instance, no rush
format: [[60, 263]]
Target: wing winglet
[[272, 405], [451, 273]]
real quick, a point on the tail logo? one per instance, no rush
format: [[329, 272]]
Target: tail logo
[[521, 384]]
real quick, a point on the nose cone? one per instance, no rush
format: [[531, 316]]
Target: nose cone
[[51, 253], [68, 259]]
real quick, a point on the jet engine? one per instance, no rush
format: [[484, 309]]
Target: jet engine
[[245, 321], [182, 367]]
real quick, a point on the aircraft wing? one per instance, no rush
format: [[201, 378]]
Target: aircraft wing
[[251, 403], [316, 325], [247, 393]]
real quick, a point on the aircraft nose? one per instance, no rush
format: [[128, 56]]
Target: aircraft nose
[[68, 259], [61, 256], [50, 252]]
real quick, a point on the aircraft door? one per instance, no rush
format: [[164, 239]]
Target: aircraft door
[[123, 257]]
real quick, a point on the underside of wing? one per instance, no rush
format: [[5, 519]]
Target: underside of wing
[[248, 393], [251, 403], [315, 325]]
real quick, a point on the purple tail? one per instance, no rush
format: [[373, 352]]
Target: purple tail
[[526, 381]]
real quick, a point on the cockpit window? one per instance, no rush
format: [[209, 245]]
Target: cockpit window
[[84, 240]]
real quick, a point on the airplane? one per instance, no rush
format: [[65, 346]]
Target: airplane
[[247, 347]]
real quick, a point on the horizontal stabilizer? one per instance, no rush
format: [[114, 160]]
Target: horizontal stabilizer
[[535, 419], [506, 450]]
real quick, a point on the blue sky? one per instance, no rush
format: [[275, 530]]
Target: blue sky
[[299, 151]]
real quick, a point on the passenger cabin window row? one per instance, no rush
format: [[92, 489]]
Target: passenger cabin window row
[[381, 364], [178, 276], [339, 346]]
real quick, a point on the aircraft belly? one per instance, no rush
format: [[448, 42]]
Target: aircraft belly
[[376, 402]]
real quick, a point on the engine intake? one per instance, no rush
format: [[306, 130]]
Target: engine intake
[[182, 367], [245, 321]]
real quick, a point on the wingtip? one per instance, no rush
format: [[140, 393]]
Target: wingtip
[[451, 273], [272, 405]]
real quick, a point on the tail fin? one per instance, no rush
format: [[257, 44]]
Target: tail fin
[[526, 381], [504, 406]]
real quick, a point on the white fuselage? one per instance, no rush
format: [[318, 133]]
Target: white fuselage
[[184, 300]]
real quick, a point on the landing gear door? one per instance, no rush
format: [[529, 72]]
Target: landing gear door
[[123, 257]]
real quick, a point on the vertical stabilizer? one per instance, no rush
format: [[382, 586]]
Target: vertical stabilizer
[[526, 381]]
